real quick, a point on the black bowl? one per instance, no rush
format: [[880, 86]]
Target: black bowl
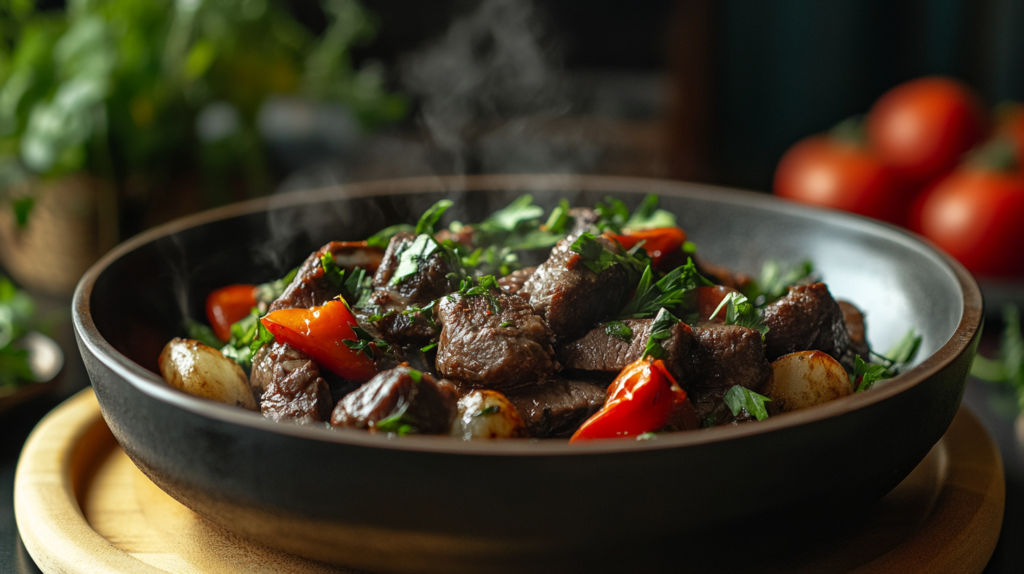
[[436, 504]]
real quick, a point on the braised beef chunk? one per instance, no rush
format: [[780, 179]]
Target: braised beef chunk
[[807, 319], [493, 341], [724, 356], [411, 401], [718, 274], [603, 354], [571, 297], [854, 320], [392, 299], [430, 280], [514, 281], [292, 388], [557, 408], [583, 220], [310, 288]]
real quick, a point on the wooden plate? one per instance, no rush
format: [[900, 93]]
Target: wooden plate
[[83, 507]]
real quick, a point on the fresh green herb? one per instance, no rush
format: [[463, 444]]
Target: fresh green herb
[[247, 337], [266, 293], [263, 336], [17, 317], [415, 375], [775, 281], [483, 286], [517, 227], [364, 343], [739, 311], [335, 275], [425, 312], [511, 216], [596, 257], [431, 216], [378, 316], [413, 256], [689, 247], [648, 216], [741, 398], [709, 421], [672, 290], [429, 347], [358, 288], [646, 436], [865, 375], [559, 220], [491, 260], [487, 411], [661, 329], [1008, 367], [505, 324], [398, 423], [381, 239], [611, 216], [202, 333], [22, 207], [618, 329], [905, 349]]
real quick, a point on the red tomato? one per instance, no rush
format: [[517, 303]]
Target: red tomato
[[709, 298], [977, 216], [923, 126], [641, 399], [659, 242], [228, 305], [321, 332], [828, 172], [1011, 127]]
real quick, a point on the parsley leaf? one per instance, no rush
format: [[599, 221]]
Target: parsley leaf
[[1008, 366], [247, 337], [741, 398], [648, 216], [865, 375], [398, 423], [484, 286], [775, 281], [429, 347], [412, 256], [381, 239], [618, 329], [670, 291], [505, 324], [509, 217], [365, 343], [739, 311], [267, 292], [431, 216], [559, 220], [596, 257], [611, 216], [493, 409], [202, 333], [661, 329]]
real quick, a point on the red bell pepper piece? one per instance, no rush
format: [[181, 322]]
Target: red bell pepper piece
[[320, 332], [641, 399], [228, 305], [659, 242]]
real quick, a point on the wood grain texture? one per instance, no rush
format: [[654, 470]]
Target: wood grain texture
[[82, 506]]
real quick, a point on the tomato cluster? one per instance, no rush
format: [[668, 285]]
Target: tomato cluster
[[925, 157]]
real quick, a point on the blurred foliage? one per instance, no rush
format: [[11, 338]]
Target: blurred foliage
[[17, 314], [115, 87]]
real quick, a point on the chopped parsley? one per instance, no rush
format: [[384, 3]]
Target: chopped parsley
[[425, 312], [483, 286], [611, 216], [247, 337], [505, 324], [596, 257], [365, 343], [202, 333], [646, 436], [355, 287], [618, 329], [410, 259], [648, 216], [743, 399], [429, 347], [381, 239], [559, 220], [517, 227], [431, 216], [398, 422], [661, 329], [775, 281], [669, 292], [266, 293], [866, 374], [739, 311]]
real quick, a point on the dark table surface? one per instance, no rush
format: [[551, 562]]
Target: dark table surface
[[995, 407]]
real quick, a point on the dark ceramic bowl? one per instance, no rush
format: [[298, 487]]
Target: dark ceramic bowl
[[435, 504]]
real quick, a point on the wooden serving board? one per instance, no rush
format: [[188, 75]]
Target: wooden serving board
[[83, 507]]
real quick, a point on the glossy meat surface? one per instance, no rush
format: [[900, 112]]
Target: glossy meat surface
[[311, 289], [558, 407], [494, 350], [603, 354], [428, 408], [724, 356], [571, 297], [807, 319], [291, 388]]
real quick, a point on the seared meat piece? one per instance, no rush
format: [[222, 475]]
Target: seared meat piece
[[411, 396], [291, 386], [557, 408], [571, 297], [514, 281], [429, 282], [493, 341], [854, 320], [807, 319], [718, 274], [726, 355], [603, 355], [310, 288], [583, 219]]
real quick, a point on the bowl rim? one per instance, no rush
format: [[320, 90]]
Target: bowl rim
[[153, 385]]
